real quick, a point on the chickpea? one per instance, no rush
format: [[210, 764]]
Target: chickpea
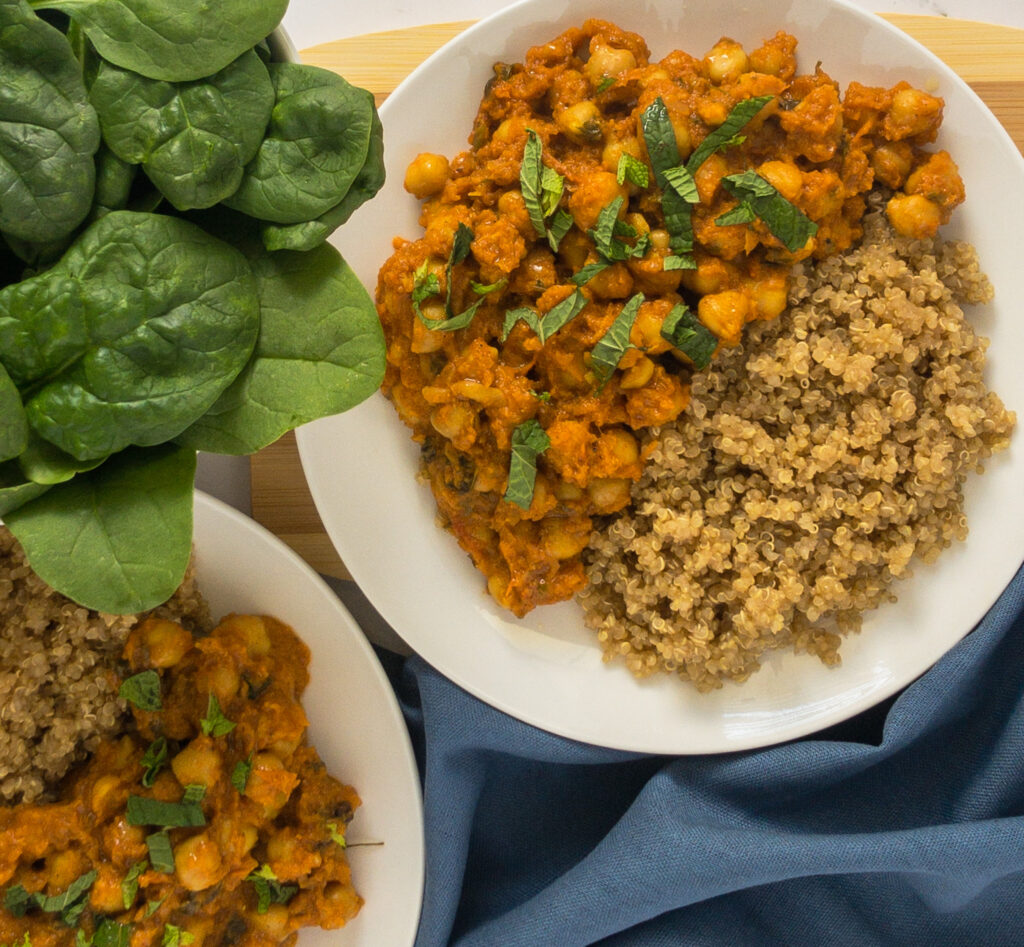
[[197, 764], [426, 175], [913, 215], [253, 632], [615, 148], [107, 795], [912, 113], [166, 642], [106, 895], [63, 867], [424, 340], [770, 298], [594, 193], [197, 862], [510, 129], [560, 541], [220, 679], [637, 375], [726, 61], [725, 314], [581, 122], [607, 61], [621, 445], [892, 162], [454, 421], [660, 239], [784, 176], [608, 494], [274, 921]]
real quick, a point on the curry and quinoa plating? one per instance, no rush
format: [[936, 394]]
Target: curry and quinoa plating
[[613, 227], [205, 816]]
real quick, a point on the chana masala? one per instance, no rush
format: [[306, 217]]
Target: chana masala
[[613, 224], [209, 819]]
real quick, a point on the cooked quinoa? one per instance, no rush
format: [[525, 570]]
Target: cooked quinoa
[[57, 695], [815, 462]]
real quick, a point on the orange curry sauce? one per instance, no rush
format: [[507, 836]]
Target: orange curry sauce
[[268, 855], [464, 392]]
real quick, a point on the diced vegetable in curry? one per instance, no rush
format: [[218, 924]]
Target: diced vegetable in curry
[[212, 820], [613, 223]]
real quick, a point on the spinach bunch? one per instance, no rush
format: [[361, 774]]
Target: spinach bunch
[[166, 192]]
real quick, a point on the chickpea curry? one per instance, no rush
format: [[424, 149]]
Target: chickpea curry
[[613, 223], [211, 820]]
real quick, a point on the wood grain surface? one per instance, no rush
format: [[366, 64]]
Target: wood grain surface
[[989, 58]]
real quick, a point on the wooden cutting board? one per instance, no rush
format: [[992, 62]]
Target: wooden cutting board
[[989, 58]]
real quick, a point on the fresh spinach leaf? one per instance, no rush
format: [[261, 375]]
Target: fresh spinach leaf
[[15, 491], [605, 356], [175, 41], [13, 423], [114, 180], [42, 462], [116, 539], [759, 198], [48, 130], [529, 441], [320, 351], [367, 183], [315, 146], [132, 336], [688, 334], [193, 139]]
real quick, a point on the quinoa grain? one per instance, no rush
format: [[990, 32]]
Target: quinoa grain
[[815, 463]]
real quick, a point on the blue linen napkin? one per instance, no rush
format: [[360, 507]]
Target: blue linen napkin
[[903, 826]]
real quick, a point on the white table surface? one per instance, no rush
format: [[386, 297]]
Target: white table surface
[[310, 22]]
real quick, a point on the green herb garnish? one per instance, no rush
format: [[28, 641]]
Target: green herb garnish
[[660, 138], [605, 356], [336, 836], [112, 934], [175, 937], [215, 724], [759, 199], [688, 334], [426, 284], [153, 760], [268, 889], [633, 170], [547, 325], [130, 883], [167, 815], [161, 853], [725, 136], [605, 84], [529, 441], [542, 188], [17, 900], [143, 690], [240, 773]]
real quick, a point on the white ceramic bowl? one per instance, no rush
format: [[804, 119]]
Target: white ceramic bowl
[[355, 722], [546, 669]]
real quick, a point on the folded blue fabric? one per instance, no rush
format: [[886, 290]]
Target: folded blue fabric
[[903, 826]]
